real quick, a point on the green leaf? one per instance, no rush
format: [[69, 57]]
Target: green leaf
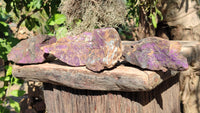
[[2, 92], [14, 105], [18, 81], [4, 29], [34, 4], [159, 13], [61, 32], [9, 70], [7, 78], [153, 19], [37, 3], [57, 19], [4, 49], [4, 24], [17, 93], [6, 33], [12, 41], [3, 89], [4, 44], [51, 21]]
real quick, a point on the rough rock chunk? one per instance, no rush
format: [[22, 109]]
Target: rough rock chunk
[[71, 50], [28, 51], [97, 50], [107, 51], [155, 54]]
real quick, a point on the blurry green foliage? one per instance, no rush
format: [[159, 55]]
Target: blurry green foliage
[[41, 16], [148, 7], [149, 11]]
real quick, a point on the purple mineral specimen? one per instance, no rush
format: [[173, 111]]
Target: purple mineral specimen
[[155, 54], [71, 50], [108, 50], [28, 51], [97, 50]]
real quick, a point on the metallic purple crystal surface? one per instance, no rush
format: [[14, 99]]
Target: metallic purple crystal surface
[[155, 54], [28, 51]]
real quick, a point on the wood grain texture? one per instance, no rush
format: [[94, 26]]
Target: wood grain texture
[[163, 99], [121, 78]]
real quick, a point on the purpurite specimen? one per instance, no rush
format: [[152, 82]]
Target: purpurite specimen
[[156, 54], [28, 51], [106, 49], [71, 50], [101, 49], [97, 50]]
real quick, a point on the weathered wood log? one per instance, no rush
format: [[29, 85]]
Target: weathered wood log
[[76, 89], [162, 99], [121, 78]]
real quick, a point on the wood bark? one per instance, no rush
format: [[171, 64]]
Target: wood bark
[[162, 99], [183, 18], [121, 78]]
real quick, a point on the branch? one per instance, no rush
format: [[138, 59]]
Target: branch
[[31, 13]]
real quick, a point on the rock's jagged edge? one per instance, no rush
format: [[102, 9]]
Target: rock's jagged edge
[[156, 54], [97, 50], [28, 51]]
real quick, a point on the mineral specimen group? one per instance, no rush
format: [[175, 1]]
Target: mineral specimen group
[[101, 49]]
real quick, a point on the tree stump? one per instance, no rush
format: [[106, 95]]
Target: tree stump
[[123, 89]]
